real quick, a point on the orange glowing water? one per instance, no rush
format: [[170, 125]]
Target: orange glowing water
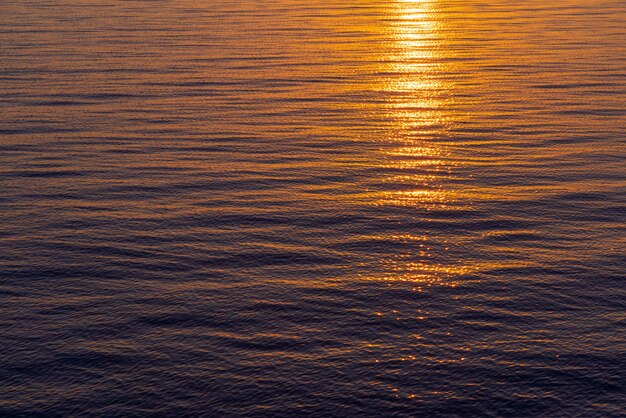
[[316, 208]]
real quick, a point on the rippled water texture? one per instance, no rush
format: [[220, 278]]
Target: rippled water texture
[[313, 208]]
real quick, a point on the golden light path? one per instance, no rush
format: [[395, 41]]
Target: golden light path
[[419, 96]]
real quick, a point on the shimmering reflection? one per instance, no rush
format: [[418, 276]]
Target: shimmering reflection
[[418, 93], [417, 98]]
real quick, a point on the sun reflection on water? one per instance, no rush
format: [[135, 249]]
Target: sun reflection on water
[[417, 97], [418, 93]]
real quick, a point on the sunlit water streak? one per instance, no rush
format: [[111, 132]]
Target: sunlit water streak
[[338, 208], [414, 80]]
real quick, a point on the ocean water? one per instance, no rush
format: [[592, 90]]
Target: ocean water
[[333, 208]]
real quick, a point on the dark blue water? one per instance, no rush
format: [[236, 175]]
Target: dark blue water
[[313, 208]]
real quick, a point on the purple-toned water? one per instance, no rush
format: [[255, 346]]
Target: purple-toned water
[[312, 208]]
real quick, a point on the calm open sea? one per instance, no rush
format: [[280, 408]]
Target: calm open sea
[[325, 208]]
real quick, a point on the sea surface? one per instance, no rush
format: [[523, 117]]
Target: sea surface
[[337, 208]]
